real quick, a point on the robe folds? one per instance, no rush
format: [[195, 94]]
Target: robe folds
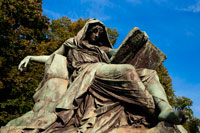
[[98, 92], [82, 92]]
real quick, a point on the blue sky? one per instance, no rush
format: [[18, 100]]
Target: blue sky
[[172, 25]]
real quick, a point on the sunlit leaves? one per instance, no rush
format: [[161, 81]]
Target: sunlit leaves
[[166, 82], [23, 27], [113, 34]]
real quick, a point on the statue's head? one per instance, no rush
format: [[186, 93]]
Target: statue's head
[[94, 33]]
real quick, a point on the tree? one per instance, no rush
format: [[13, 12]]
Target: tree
[[23, 27], [184, 103], [63, 29], [166, 82], [192, 124], [113, 34]]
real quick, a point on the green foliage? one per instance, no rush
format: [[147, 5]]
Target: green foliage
[[63, 29], [184, 103], [166, 82], [60, 28], [192, 124], [22, 27], [113, 34]]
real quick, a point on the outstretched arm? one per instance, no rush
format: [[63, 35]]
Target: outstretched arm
[[26, 60], [41, 59]]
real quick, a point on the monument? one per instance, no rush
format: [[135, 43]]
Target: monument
[[90, 87]]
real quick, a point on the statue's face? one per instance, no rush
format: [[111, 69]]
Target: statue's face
[[95, 33]]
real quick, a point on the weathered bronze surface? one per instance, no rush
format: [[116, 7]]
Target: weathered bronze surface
[[85, 91]]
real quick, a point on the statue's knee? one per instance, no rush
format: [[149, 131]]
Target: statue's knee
[[154, 74], [130, 71], [128, 67]]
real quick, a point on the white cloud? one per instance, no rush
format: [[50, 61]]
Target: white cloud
[[73, 15], [135, 2], [97, 13], [53, 14], [99, 2], [189, 33], [160, 1], [192, 8], [97, 8]]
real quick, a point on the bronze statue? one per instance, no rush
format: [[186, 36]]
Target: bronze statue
[[87, 93]]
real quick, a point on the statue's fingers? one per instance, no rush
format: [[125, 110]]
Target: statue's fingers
[[26, 63], [21, 69], [20, 65]]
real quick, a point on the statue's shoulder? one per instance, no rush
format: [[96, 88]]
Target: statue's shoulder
[[71, 42]]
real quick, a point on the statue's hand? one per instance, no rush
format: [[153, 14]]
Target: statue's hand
[[24, 63]]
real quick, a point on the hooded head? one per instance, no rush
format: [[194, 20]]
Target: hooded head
[[94, 30]]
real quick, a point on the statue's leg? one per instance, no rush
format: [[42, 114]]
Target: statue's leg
[[131, 87], [155, 88]]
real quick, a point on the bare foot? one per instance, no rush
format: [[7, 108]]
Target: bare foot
[[171, 116]]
